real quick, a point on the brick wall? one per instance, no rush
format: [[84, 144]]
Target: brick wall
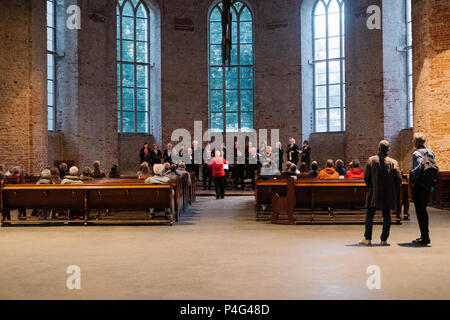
[[23, 109], [431, 64]]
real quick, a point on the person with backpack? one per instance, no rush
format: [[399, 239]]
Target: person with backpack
[[423, 178]]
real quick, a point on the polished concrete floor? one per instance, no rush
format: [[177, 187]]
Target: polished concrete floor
[[218, 251]]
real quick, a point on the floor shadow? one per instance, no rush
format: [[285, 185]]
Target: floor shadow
[[363, 246], [412, 245]]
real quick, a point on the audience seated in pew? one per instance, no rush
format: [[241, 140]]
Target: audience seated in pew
[[114, 172], [340, 168], [268, 173], [355, 172], [329, 172], [158, 178], [182, 169], [45, 177], [314, 170], [73, 177], [62, 170], [303, 171], [56, 179], [144, 171], [98, 172], [86, 174]]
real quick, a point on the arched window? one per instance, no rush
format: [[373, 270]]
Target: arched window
[[409, 62], [329, 65], [51, 52], [133, 66], [231, 89]]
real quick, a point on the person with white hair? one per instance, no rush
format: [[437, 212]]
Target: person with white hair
[[158, 178], [292, 151], [218, 173], [45, 177], [98, 172], [73, 177]]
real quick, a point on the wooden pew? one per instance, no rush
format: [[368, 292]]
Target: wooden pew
[[442, 193], [98, 194], [329, 201], [264, 189]]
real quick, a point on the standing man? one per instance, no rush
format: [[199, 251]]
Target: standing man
[[383, 179], [292, 151], [424, 168], [206, 170]]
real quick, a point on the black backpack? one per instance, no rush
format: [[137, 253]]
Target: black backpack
[[430, 172]]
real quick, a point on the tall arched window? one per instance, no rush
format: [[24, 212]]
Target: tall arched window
[[329, 65], [51, 52], [133, 66], [231, 89], [409, 62]]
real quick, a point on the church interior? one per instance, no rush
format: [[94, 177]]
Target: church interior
[[107, 105]]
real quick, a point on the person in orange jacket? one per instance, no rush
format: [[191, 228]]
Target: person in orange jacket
[[329, 172]]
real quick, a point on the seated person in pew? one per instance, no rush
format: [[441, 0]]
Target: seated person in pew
[[355, 172], [268, 173], [329, 173], [62, 170], [144, 171], [2, 174], [73, 177], [45, 178], [158, 178], [182, 169], [287, 169], [98, 172], [172, 172], [56, 179], [114, 172], [166, 168], [314, 170], [86, 174], [340, 167], [303, 170]]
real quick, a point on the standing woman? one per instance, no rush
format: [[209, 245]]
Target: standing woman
[[292, 151], [306, 153], [155, 155], [219, 174], [168, 154], [144, 155]]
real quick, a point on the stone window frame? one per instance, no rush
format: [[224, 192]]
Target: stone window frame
[[213, 6], [120, 4], [327, 60], [51, 72]]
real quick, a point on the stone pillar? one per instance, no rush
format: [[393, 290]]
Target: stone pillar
[[431, 65]]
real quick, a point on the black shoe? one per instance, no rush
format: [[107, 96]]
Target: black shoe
[[421, 242]]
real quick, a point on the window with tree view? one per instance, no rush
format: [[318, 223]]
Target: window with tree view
[[231, 89], [329, 65], [133, 66]]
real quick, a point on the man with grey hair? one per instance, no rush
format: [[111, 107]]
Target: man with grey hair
[[383, 179], [73, 177], [158, 178], [421, 191]]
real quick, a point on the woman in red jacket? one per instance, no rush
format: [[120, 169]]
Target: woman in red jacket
[[219, 174]]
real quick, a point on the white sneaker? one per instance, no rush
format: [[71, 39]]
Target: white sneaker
[[365, 242], [384, 243]]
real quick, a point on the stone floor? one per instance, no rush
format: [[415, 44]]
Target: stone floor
[[218, 251]]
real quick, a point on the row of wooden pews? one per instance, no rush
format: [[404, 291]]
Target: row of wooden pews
[[124, 194], [441, 197], [307, 200]]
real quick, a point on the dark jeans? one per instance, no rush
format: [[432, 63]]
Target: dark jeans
[[386, 223], [197, 171], [206, 176], [238, 175], [219, 184], [421, 197]]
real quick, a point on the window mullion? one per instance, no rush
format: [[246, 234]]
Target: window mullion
[[327, 69]]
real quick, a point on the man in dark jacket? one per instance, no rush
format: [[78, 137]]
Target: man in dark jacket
[[383, 178], [421, 194]]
